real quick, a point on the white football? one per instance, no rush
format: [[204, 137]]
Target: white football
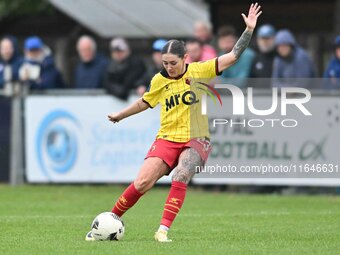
[[107, 226]]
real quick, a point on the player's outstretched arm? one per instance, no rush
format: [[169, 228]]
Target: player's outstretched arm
[[137, 107], [230, 58]]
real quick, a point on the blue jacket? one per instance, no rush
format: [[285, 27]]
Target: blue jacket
[[50, 77], [332, 74], [240, 71], [297, 65], [15, 62], [90, 75]]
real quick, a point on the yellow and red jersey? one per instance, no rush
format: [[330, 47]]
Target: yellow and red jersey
[[180, 101]]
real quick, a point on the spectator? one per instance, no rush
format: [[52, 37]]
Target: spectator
[[38, 69], [195, 51], [237, 73], [10, 60], [155, 67], [89, 73], [262, 65], [291, 62], [124, 70], [203, 33], [332, 73]]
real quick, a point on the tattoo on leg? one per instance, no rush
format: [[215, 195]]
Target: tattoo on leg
[[242, 43], [187, 164]]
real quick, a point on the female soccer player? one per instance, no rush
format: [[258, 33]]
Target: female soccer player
[[182, 141]]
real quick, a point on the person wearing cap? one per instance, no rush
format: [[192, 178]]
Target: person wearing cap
[[10, 60], [262, 66], [38, 69], [152, 68], [124, 70], [90, 70], [292, 61], [157, 47], [332, 72]]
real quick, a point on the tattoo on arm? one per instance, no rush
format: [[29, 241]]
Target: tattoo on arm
[[242, 43]]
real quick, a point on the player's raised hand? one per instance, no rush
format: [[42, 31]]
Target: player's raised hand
[[114, 117], [253, 14]]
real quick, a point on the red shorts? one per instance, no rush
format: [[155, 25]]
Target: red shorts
[[169, 151]]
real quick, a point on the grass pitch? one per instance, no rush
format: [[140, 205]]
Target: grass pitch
[[54, 220]]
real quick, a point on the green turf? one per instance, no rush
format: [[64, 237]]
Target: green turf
[[54, 219]]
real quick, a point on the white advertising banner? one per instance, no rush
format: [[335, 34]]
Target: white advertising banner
[[69, 139], [275, 149]]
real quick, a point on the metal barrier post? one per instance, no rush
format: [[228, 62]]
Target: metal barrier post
[[16, 143]]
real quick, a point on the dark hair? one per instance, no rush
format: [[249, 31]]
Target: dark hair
[[226, 31], [194, 40], [174, 47]]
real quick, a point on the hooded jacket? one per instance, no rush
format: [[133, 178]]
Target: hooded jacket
[[297, 65]]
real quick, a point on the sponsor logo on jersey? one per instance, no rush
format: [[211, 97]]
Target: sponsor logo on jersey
[[187, 98]]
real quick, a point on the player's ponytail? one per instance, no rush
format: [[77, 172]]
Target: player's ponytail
[[174, 47]]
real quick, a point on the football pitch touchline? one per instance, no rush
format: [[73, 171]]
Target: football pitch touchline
[[261, 213]]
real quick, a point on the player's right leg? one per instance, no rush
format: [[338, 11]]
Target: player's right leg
[[152, 169]]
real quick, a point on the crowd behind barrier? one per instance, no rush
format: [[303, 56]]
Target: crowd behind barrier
[[277, 54], [277, 57]]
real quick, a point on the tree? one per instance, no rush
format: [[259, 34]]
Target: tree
[[15, 8]]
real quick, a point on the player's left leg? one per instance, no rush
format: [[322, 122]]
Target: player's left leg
[[185, 170]]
